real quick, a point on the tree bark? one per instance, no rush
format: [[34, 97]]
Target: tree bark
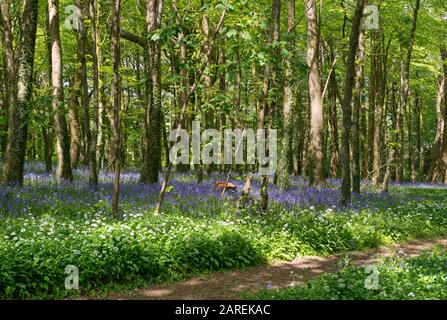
[[392, 150], [379, 132], [116, 96], [209, 112], [419, 131], [405, 82], [90, 144], [20, 105], [3, 103], [334, 160], [372, 96], [356, 115], [63, 170], [346, 105], [285, 157], [73, 120], [315, 94], [444, 134], [152, 153], [436, 167], [9, 62]]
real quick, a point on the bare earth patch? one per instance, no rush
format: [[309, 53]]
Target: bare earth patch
[[229, 285]]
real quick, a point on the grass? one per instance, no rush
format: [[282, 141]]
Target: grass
[[399, 278], [197, 233]]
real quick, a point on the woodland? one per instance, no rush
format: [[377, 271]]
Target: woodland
[[94, 96]]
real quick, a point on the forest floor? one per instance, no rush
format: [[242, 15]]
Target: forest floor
[[231, 284]]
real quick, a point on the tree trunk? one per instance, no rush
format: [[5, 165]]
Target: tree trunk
[[3, 107], [63, 170], [9, 63], [420, 144], [436, 166], [116, 96], [264, 103], [347, 99], [48, 148], [298, 134], [392, 150], [411, 170], [316, 99], [95, 91], [379, 132], [372, 96], [405, 83], [209, 112], [19, 106], [285, 156], [334, 161], [90, 144], [73, 120], [152, 157], [222, 88], [444, 134], [356, 115], [378, 109]]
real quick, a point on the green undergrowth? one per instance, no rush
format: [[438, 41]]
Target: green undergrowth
[[142, 248]]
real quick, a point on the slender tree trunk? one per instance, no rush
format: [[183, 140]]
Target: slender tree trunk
[[401, 129], [333, 117], [3, 104], [405, 83], [48, 148], [378, 115], [8, 45], [73, 120], [372, 95], [274, 35], [116, 96], [356, 114], [93, 176], [411, 170], [299, 134], [222, 89], [90, 144], [48, 128], [420, 145], [436, 159], [444, 134], [209, 113], [315, 94], [63, 170], [285, 157], [379, 132], [19, 108], [392, 150], [154, 12], [184, 79], [264, 103], [94, 11], [347, 99]]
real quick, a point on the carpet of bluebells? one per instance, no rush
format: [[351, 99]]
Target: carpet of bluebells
[[398, 278], [45, 227]]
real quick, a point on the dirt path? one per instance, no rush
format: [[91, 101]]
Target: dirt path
[[229, 285]]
